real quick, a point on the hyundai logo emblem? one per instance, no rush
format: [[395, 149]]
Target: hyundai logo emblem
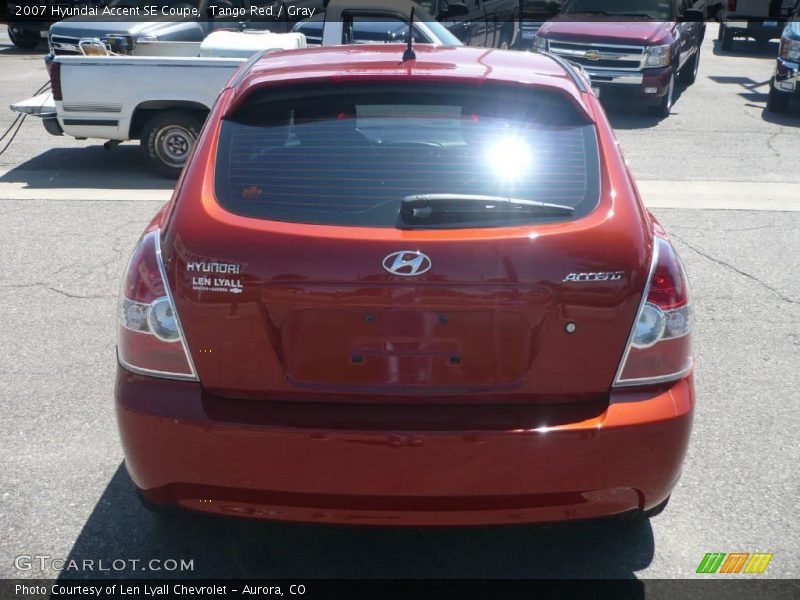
[[407, 263]]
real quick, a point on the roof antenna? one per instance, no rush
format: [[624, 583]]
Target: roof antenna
[[409, 54]]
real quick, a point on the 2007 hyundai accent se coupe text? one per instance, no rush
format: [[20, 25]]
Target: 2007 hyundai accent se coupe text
[[415, 292]]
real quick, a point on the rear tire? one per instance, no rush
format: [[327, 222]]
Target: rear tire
[[21, 42], [167, 140], [726, 35], [689, 71], [505, 41], [778, 102]]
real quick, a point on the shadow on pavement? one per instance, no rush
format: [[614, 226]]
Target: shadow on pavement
[[11, 50], [790, 118], [626, 114], [120, 528], [756, 94], [122, 167], [753, 91]]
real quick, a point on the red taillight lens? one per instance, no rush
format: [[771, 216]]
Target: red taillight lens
[[731, 5], [150, 338], [55, 80], [659, 348]]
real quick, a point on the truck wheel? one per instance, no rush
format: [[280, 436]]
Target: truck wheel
[[167, 139], [689, 70], [505, 41], [726, 35], [778, 101], [664, 107], [22, 43]]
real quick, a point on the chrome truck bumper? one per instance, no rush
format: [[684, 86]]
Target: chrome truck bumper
[[787, 76], [606, 77]]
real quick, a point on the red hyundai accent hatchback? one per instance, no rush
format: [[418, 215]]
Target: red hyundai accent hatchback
[[405, 292]]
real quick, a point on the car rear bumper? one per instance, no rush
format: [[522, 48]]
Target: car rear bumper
[[787, 76], [326, 463]]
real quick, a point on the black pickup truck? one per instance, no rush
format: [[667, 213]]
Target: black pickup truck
[[29, 20]]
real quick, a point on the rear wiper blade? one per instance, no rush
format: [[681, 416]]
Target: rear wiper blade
[[423, 205], [587, 12], [633, 14]]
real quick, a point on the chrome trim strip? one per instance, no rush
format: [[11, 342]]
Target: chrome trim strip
[[626, 52], [617, 77], [154, 373], [163, 272], [656, 380], [599, 45], [77, 107], [642, 302]]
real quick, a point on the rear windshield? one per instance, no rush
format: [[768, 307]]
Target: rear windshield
[[397, 156]]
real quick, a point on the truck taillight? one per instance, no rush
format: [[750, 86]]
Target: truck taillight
[[731, 5], [150, 339], [659, 349], [55, 80]]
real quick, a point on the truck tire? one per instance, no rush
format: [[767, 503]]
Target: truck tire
[[167, 140], [778, 101], [689, 71], [21, 42], [664, 107], [505, 40], [726, 35]]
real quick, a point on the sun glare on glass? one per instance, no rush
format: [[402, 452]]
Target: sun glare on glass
[[510, 158]]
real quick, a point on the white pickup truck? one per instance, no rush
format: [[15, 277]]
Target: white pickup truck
[[162, 94]]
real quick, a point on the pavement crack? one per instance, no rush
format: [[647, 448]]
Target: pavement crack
[[745, 274], [772, 148], [46, 286], [78, 296]]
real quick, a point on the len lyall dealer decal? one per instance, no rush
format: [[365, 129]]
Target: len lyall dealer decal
[[210, 276]]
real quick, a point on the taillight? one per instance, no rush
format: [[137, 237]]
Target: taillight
[[55, 80], [150, 339], [731, 5], [659, 348]]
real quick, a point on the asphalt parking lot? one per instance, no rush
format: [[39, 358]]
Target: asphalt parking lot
[[721, 174]]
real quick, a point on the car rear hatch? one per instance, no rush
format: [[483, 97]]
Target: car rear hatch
[[389, 245]]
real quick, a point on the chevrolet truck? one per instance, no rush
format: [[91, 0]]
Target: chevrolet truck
[[641, 47]]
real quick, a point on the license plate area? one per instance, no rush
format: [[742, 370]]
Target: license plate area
[[406, 347]]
